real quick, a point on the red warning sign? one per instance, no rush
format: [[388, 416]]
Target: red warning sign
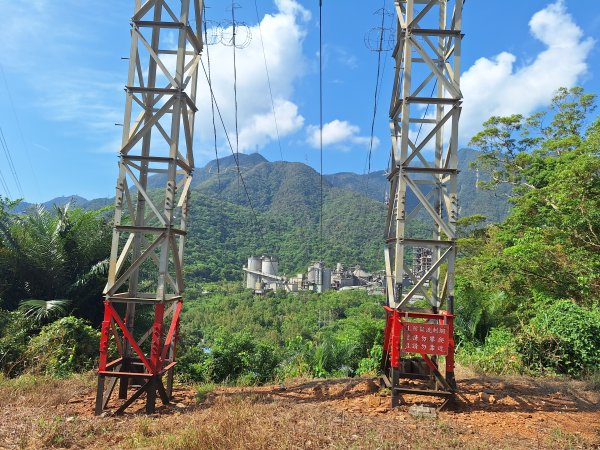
[[427, 338]]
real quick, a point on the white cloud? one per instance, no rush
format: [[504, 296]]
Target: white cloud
[[262, 130], [83, 98], [494, 86], [340, 56], [50, 33], [293, 8], [340, 134], [71, 92], [283, 34]]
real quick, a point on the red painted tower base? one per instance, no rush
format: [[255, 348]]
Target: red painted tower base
[[413, 341], [133, 366]]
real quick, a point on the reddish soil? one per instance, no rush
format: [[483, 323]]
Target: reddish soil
[[521, 408], [508, 412]]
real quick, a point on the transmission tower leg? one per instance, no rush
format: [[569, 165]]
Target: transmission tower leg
[[151, 396], [100, 395], [146, 263], [124, 383], [170, 374], [395, 379], [426, 97], [451, 347]]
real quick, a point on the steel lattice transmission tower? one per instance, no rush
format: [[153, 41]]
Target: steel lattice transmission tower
[[424, 112], [145, 271]]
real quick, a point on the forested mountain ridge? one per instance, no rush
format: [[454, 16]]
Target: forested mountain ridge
[[275, 185], [274, 208]]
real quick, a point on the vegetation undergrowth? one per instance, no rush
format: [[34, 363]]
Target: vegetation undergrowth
[[527, 288], [279, 336]]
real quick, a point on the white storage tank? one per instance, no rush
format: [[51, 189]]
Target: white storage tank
[[254, 264], [269, 265]]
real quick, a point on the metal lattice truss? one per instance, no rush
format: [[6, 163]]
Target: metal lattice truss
[[424, 113], [150, 226]]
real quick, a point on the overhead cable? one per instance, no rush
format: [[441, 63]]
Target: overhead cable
[[377, 83], [237, 134], [212, 102], [11, 164], [321, 120], [262, 43], [4, 185], [234, 154], [25, 146]]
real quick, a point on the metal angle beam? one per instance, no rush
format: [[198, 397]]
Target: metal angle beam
[[428, 50], [160, 107]]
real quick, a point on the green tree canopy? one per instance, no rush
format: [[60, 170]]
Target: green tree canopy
[[550, 242]]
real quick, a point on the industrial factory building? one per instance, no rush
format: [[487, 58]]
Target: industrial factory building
[[422, 261], [261, 276]]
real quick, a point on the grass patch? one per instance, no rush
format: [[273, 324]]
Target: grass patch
[[563, 440], [258, 422], [43, 390], [592, 382], [203, 391], [53, 433]]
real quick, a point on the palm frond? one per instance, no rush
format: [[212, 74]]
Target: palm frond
[[42, 310], [98, 269]]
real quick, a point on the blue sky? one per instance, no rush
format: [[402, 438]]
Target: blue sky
[[61, 85]]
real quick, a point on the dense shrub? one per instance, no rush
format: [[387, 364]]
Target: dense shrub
[[232, 358], [193, 364], [65, 346], [498, 355], [297, 359], [278, 335], [372, 363], [15, 332], [562, 338], [478, 311]]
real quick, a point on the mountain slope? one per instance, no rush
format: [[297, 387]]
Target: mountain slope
[[493, 205], [282, 216]]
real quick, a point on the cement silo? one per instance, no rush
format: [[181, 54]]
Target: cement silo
[[319, 276], [314, 273], [269, 265], [326, 284], [254, 265]]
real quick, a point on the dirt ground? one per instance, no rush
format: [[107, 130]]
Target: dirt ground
[[515, 412]]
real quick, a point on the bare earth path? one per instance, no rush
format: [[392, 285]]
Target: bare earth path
[[508, 413]]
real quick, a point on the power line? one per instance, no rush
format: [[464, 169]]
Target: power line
[[376, 95], [237, 162], [235, 156], [237, 134], [212, 103], [25, 146], [321, 119], [377, 82], [4, 185], [425, 113], [262, 43], [11, 164]]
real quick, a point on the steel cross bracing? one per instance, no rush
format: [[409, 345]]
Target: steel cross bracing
[[146, 259], [424, 112]]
